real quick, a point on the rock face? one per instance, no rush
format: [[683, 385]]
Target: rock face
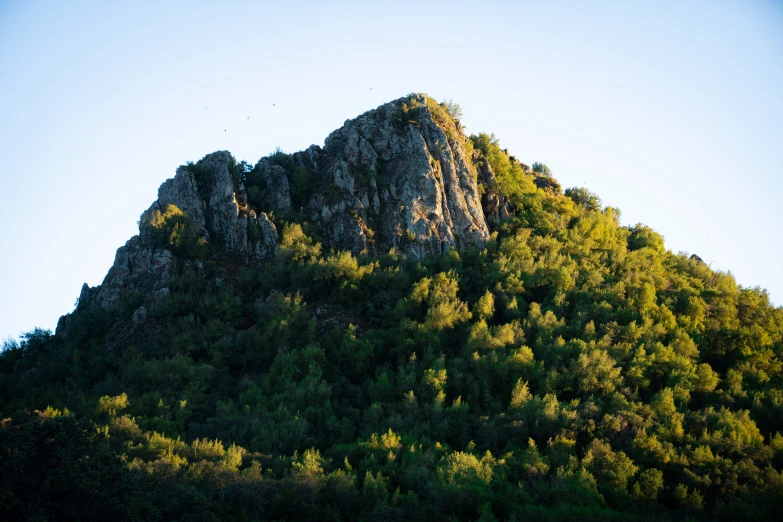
[[216, 204], [215, 200], [136, 268], [181, 191], [276, 190], [396, 177]]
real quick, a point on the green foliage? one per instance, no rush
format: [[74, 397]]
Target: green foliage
[[444, 308], [300, 180], [519, 395], [454, 110], [648, 485], [172, 229], [112, 405], [296, 246], [583, 197], [645, 237], [614, 469], [447, 114], [302, 185], [572, 369], [541, 169], [406, 113], [57, 467], [464, 470], [485, 306], [515, 183]]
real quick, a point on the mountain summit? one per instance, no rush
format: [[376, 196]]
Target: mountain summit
[[404, 324], [403, 176]]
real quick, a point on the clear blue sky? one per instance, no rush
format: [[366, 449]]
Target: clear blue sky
[[672, 112]]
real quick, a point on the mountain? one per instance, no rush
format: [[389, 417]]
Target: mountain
[[403, 176], [406, 323]]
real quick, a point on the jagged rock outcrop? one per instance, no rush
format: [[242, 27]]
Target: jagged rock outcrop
[[396, 177], [216, 205], [267, 241], [182, 192], [400, 176], [276, 192], [136, 268]]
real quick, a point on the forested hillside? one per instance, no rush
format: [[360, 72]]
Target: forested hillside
[[520, 355]]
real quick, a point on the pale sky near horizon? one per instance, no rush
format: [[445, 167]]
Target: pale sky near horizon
[[671, 111]]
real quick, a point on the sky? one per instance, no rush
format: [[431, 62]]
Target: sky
[[672, 112]]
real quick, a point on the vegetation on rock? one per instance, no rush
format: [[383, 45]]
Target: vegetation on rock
[[173, 229], [569, 368]]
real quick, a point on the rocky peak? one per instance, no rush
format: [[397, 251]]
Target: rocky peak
[[397, 176], [403, 176], [212, 196]]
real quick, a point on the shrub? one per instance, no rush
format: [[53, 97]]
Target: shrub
[[585, 198], [645, 237], [541, 169], [511, 177], [172, 229]]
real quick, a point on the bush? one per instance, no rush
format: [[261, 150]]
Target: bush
[[172, 229], [511, 177], [541, 169], [585, 198], [645, 237]]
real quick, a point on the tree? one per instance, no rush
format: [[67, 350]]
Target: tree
[[454, 110], [60, 467], [614, 469], [541, 169], [583, 197]]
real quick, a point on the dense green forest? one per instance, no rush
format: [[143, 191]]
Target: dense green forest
[[571, 369]]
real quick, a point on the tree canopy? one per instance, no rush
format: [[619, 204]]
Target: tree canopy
[[571, 369]]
